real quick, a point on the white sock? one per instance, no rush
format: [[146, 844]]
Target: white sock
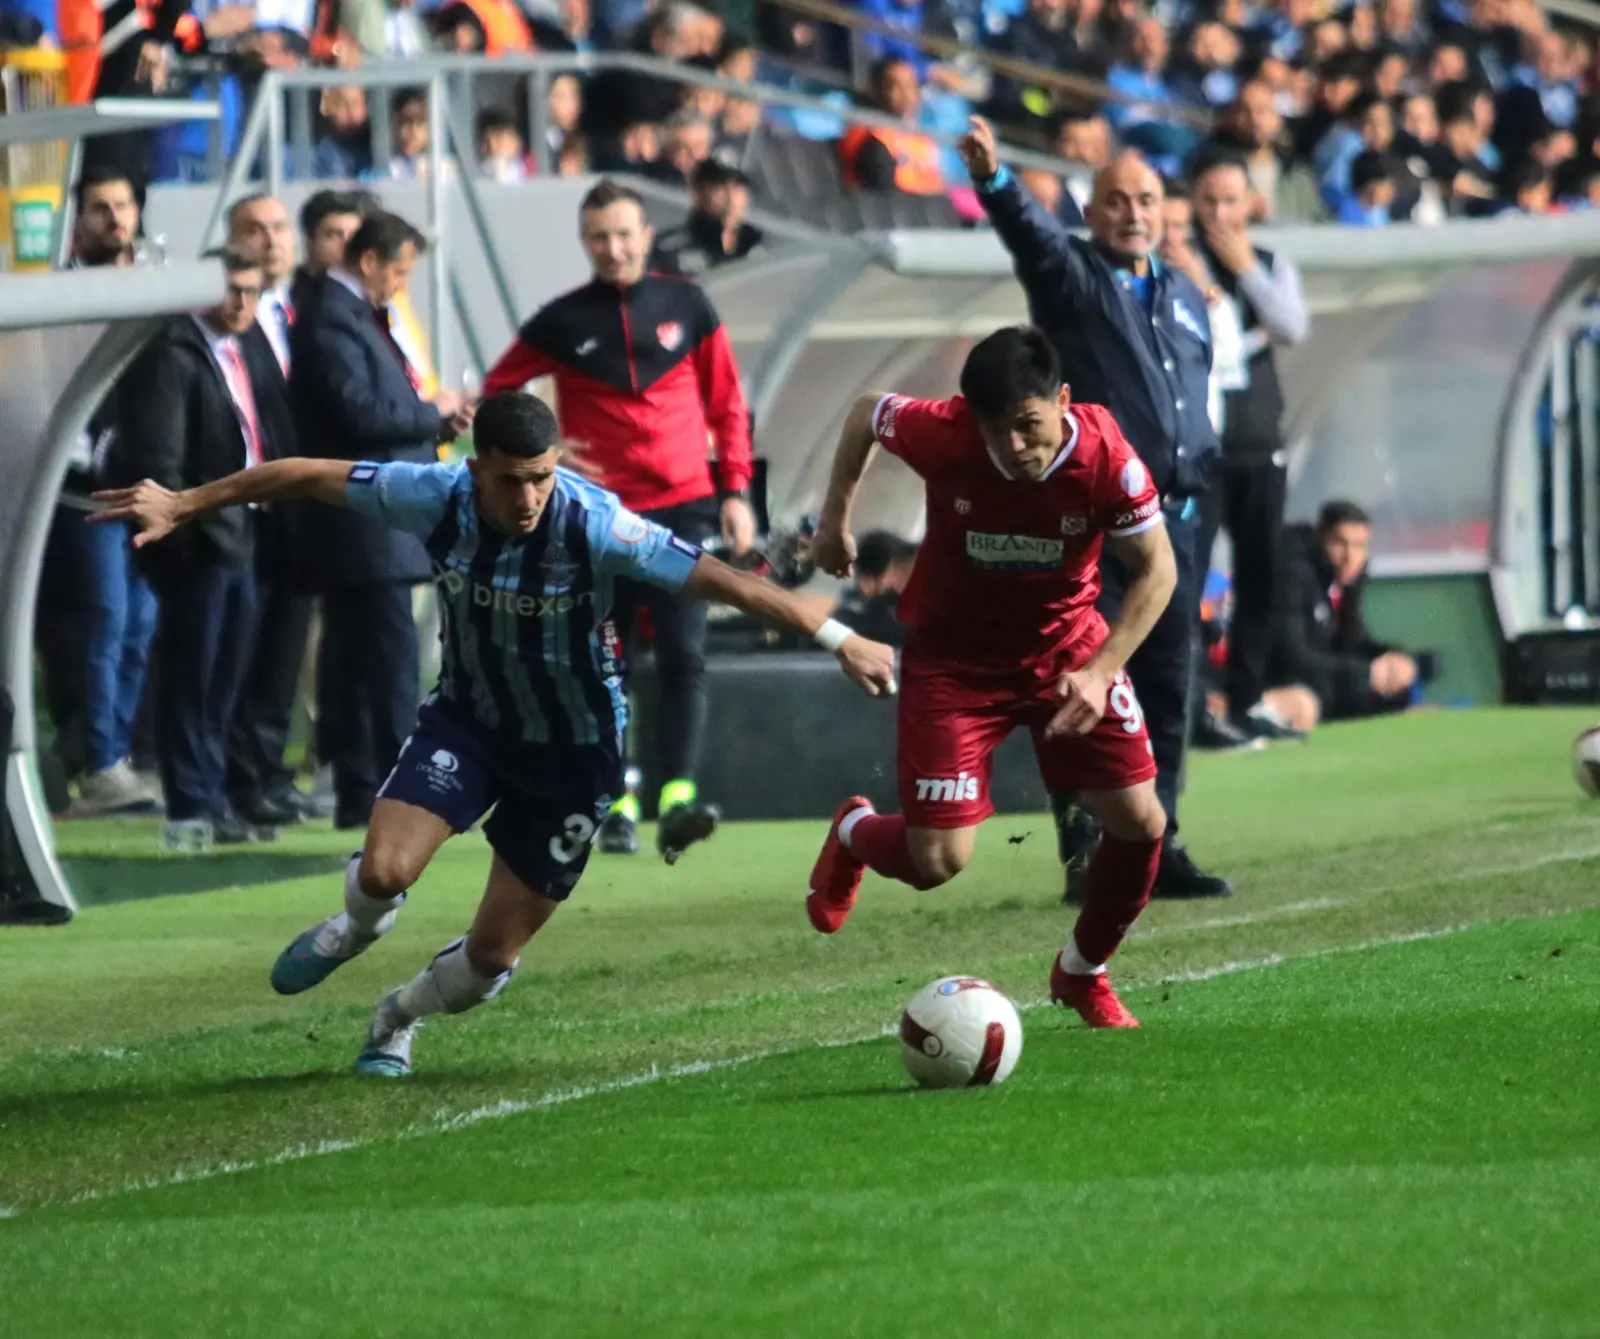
[[365, 915], [848, 824], [450, 984], [1074, 963]]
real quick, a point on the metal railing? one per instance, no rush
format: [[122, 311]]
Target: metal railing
[[277, 135]]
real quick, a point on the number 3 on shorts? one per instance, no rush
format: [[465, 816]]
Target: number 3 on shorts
[[1124, 705], [576, 833]]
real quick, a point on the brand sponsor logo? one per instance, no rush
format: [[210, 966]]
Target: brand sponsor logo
[[440, 771], [445, 761], [1014, 553], [670, 333], [1075, 523], [947, 790], [1135, 478], [962, 506], [956, 984], [364, 474], [459, 586], [887, 415], [587, 347]]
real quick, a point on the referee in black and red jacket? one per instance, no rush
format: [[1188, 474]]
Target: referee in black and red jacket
[[646, 383]]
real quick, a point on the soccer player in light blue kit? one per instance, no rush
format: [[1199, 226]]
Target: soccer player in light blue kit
[[528, 715]]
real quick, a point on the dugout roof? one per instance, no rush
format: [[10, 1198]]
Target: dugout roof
[[1395, 399]]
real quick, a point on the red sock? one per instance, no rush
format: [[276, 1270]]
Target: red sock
[[1116, 887], [879, 842]]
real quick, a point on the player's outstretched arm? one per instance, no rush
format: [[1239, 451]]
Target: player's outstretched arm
[[158, 511], [870, 664], [833, 548], [1147, 556]]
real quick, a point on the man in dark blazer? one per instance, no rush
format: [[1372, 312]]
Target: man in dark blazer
[[260, 785], [197, 404], [355, 397]]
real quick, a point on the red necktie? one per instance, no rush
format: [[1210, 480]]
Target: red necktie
[[383, 318], [244, 400]]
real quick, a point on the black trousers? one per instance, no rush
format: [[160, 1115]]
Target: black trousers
[[62, 619], [1247, 499], [368, 673], [1163, 665], [679, 628], [265, 712], [206, 636]]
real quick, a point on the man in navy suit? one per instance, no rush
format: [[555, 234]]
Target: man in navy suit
[[356, 397], [199, 402]]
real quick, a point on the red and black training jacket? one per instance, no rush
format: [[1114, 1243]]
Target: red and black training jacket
[[645, 380]]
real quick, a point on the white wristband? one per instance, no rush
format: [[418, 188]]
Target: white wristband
[[832, 635]]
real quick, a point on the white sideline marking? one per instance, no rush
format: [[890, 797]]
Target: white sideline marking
[[442, 1122]]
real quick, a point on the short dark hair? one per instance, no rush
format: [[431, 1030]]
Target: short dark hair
[[1339, 512], [1209, 160], [1368, 168], [880, 550], [325, 204], [103, 175], [1008, 367], [514, 423], [607, 192], [386, 235], [404, 95], [1175, 188], [880, 70], [494, 119]]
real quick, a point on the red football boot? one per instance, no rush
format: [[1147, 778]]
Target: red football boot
[[836, 875], [1091, 996]]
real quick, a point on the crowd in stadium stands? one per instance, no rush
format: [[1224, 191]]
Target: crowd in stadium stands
[[1367, 114]]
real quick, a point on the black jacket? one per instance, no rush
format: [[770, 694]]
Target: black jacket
[[353, 399], [1150, 366], [1330, 653], [177, 424], [695, 246]]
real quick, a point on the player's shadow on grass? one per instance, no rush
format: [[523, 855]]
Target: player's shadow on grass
[[98, 880]]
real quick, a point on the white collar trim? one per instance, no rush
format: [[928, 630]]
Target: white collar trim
[[1066, 447]]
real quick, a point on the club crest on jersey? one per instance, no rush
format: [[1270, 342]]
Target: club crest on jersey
[[1134, 478], [670, 334], [1075, 523], [962, 506], [558, 568]]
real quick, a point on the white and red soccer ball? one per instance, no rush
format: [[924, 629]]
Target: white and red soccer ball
[[1586, 761], [960, 1032]]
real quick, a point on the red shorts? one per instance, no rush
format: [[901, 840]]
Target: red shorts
[[952, 720]]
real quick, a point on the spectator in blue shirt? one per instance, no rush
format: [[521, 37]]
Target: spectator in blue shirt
[[1371, 192]]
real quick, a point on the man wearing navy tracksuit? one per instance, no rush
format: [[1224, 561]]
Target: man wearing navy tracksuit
[[1131, 335]]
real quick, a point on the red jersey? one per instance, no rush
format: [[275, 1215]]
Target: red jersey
[[645, 380], [1009, 571]]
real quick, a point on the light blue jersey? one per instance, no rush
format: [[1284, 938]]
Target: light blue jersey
[[528, 648]]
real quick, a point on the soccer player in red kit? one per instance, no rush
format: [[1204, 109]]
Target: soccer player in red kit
[[1023, 488]]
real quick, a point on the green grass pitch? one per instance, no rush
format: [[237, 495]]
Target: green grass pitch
[[1364, 1101]]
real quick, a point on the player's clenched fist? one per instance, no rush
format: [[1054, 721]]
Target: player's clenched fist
[[870, 664], [833, 548], [1083, 696], [978, 150]]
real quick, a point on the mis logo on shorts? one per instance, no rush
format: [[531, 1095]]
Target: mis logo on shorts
[[1014, 553], [947, 790]]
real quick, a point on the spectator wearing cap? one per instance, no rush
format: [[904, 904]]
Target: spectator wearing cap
[[715, 231]]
